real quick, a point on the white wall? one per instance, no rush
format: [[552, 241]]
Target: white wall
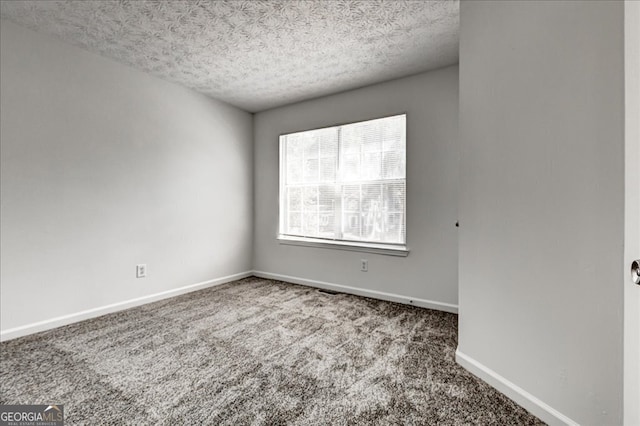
[[104, 167], [542, 203], [632, 212], [430, 271]]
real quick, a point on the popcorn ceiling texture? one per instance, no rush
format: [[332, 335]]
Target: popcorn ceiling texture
[[256, 351], [257, 54]]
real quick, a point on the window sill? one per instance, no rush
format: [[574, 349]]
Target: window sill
[[385, 249]]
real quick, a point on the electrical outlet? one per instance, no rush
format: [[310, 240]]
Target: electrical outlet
[[141, 270], [364, 265]]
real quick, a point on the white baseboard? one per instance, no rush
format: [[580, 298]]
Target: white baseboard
[[430, 304], [535, 406], [49, 324], [36, 327]]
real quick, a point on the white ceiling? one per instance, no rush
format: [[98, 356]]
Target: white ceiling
[[257, 54]]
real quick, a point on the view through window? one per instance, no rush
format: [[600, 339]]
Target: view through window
[[345, 183]]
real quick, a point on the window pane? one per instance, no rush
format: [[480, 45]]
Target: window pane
[[328, 143], [393, 228], [351, 226], [350, 167], [393, 165], [294, 222], [310, 223], [310, 198], [393, 197], [346, 182], [371, 136], [294, 173], [327, 170], [295, 199], [351, 141], [327, 197], [351, 198], [326, 224], [294, 149], [310, 146], [311, 169], [293, 159], [372, 217], [371, 166]]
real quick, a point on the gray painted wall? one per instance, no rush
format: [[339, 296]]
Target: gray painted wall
[[430, 271], [632, 212], [542, 199], [104, 167]]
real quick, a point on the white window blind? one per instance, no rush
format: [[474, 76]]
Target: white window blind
[[345, 183]]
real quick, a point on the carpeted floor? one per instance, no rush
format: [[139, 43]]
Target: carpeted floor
[[255, 351]]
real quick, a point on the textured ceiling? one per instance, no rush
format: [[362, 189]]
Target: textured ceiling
[[257, 54]]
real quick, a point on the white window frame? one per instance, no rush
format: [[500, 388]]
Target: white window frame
[[395, 249]]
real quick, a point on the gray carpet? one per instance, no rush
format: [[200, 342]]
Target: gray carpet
[[255, 351]]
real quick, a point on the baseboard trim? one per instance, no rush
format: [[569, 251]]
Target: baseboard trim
[[49, 324], [60, 321], [430, 304], [534, 405]]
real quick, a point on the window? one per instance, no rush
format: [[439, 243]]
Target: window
[[346, 185]]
